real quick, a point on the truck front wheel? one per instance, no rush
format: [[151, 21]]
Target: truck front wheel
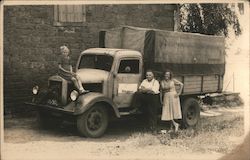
[[190, 112], [94, 122]]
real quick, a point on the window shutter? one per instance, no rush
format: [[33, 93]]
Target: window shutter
[[62, 12], [71, 13], [79, 14]]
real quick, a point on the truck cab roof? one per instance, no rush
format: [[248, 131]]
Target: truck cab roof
[[114, 52]]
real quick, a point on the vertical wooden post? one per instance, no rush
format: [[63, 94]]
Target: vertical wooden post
[[202, 79], [218, 82], [183, 79]]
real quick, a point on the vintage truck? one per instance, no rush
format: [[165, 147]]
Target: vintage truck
[[113, 72]]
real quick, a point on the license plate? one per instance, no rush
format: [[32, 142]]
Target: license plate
[[52, 102]]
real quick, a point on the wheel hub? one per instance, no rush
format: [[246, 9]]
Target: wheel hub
[[191, 115], [94, 120]]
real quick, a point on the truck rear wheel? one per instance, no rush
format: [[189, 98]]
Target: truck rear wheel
[[190, 112], [94, 122]]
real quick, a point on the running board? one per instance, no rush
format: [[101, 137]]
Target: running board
[[129, 113], [125, 113]]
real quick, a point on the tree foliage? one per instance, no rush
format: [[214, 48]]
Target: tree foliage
[[210, 19]]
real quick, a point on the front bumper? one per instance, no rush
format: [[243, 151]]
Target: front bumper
[[52, 109]]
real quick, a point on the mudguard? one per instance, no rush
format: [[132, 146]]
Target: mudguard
[[85, 101]]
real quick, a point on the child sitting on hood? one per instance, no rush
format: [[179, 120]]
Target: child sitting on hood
[[66, 70]]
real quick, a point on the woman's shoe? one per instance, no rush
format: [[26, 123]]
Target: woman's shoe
[[163, 131], [176, 127]]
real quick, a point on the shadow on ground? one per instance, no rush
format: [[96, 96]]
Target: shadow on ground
[[26, 129]]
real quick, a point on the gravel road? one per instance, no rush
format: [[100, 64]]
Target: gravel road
[[221, 130]]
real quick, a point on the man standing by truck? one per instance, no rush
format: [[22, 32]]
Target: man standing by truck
[[147, 98]]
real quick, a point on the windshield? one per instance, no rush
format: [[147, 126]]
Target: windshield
[[103, 62]]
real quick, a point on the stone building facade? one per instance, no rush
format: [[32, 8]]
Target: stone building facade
[[33, 35]]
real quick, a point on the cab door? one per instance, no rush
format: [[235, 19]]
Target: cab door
[[126, 81]]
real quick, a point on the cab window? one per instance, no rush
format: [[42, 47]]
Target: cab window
[[129, 66], [92, 61]]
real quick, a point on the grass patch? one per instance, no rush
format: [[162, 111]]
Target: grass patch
[[212, 135]]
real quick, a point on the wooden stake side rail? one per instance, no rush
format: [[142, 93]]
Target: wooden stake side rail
[[200, 84]]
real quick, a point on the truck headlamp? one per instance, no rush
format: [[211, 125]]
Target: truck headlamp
[[35, 90], [73, 95]]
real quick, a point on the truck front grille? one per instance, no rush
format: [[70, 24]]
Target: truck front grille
[[55, 93]]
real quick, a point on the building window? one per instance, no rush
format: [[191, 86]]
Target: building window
[[69, 14]]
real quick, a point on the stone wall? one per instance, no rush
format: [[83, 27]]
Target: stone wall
[[32, 40]]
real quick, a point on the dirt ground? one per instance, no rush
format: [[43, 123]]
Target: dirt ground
[[218, 133]]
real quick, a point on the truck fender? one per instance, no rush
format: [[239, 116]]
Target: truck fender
[[86, 101]]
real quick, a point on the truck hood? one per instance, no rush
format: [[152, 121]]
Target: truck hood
[[92, 75]]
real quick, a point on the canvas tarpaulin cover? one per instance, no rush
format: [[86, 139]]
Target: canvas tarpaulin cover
[[183, 53], [124, 37]]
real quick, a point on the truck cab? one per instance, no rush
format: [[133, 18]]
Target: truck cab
[[110, 78], [117, 73]]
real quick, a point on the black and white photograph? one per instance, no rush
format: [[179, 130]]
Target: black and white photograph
[[125, 80]]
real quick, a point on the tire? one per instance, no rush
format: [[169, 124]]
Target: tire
[[46, 121], [190, 113], [94, 122]]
